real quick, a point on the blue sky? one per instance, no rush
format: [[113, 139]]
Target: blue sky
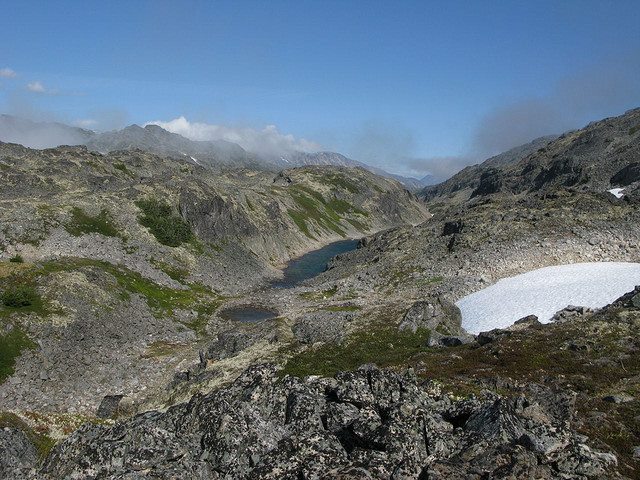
[[410, 86]]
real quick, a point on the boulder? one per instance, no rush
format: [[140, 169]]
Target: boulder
[[436, 314], [491, 336], [438, 340], [452, 227], [627, 175], [109, 406]]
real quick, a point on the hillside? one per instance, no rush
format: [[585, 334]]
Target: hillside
[[601, 156], [468, 178], [120, 262]]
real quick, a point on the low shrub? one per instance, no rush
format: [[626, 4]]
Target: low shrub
[[20, 297], [82, 223], [168, 228]]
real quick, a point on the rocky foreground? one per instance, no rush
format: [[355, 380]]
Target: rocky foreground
[[376, 423]]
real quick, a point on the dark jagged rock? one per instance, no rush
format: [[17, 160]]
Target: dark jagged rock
[[491, 336], [438, 340], [627, 175], [109, 406], [18, 455], [490, 182], [452, 227], [368, 423]]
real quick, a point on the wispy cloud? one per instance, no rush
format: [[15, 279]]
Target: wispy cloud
[[85, 123], [7, 73], [267, 141], [36, 87], [606, 88]]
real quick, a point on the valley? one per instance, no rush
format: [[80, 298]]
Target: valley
[[253, 324]]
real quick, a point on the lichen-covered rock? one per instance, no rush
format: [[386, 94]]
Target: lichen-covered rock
[[368, 423], [18, 455]]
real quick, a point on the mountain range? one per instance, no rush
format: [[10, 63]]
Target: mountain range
[[155, 139]]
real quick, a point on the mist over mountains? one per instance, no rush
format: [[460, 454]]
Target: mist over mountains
[[153, 138]]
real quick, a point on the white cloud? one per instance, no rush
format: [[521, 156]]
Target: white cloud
[[7, 73], [268, 141], [85, 123], [36, 87]]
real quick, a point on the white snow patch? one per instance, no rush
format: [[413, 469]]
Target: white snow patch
[[617, 192], [196, 160], [544, 291]]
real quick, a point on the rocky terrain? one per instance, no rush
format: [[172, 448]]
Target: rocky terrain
[[115, 267], [469, 177], [373, 423], [366, 372], [602, 155]]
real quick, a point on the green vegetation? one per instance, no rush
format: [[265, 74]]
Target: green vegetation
[[342, 206], [339, 181], [168, 228], [312, 206], [123, 168], [82, 223], [326, 214], [12, 344], [175, 273], [21, 297], [423, 282], [41, 440], [17, 259], [162, 348], [385, 346], [633, 130], [404, 274], [299, 219], [358, 225], [164, 300]]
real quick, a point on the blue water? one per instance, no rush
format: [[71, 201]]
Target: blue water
[[311, 264], [297, 271], [248, 314]]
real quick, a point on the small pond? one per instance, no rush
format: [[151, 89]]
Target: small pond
[[248, 313], [311, 264]]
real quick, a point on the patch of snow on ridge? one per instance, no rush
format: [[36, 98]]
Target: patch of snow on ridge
[[196, 160], [617, 192], [544, 291]]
